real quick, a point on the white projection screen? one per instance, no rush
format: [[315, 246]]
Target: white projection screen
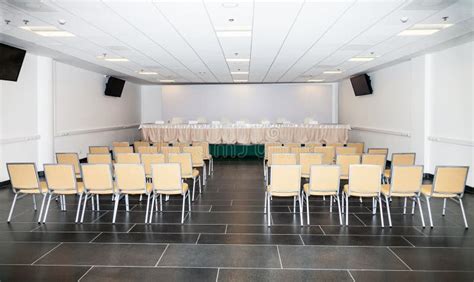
[[252, 102]]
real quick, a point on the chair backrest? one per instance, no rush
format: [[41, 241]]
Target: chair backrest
[[406, 179], [99, 159], [24, 176], [122, 150], [306, 160], [346, 150], [344, 161], [365, 179], [60, 177], [335, 145], [324, 178], [120, 144], [147, 150], [166, 178], [138, 144], [130, 177], [170, 150], [185, 161], [299, 150], [359, 147], [69, 158], [149, 159], [204, 146], [403, 159], [276, 150], [375, 159], [285, 179], [197, 155], [312, 145], [268, 145], [158, 145], [181, 145], [130, 158], [328, 153], [450, 179], [97, 178], [292, 145], [378, 151], [284, 159], [99, 150]]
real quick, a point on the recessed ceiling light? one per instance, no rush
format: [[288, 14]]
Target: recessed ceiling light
[[230, 5], [332, 72], [234, 28], [234, 33], [361, 59], [315, 80], [237, 60], [240, 80], [48, 31], [111, 59], [167, 80], [432, 26], [239, 72], [147, 72], [418, 32]]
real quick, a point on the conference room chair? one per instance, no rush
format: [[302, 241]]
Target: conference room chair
[[324, 181], [399, 159], [128, 158], [449, 183], [167, 180], [99, 159], [97, 180], [273, 150], [285, 182], [207, 156], [99, 150], [406, 183], [24, 181], [359, 147], [300, 150], [345, 150], [329, 153], [122, 150], [130, 180], [158, 145], [147, 150], [120, 144], [365, 182], [149, 159], [197, 159], [72, 159], [187, 171], [312, 145], [375, 159], [284, 159], [335, 145], [265, 159], [378, 151], [170, 150], [306, 160], [345, 161], [292, 145], [61, 182], [138, 144], [181, 145]]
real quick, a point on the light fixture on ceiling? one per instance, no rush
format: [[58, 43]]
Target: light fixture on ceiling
[[424, 29], [332, 71], [240, 80], [237, 60], [234, 33], [361, 59], [167, 80], [239, 72], [143, 72], [315, 80], [111, 59], [230, 5], [47, 31], [243, 28]]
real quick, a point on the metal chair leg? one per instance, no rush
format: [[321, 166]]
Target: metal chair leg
[[189, 201], [78, 207], [381, 210], [387, 202], [42, 206], [301, 209], [117, 200], [307, 208], [147, 208], [294, 204], [429, 210], [444, 207], [463, 213], [347, 210], [11, 209], [127, 206], [97, 199], [265, 205], [34, 201], [421, 212], [182, 209], [413, 206], [194, 187], [269, 216], [405, 205], [47, 208], [339, 209], [330, 204], [84, 207], [153, 203]]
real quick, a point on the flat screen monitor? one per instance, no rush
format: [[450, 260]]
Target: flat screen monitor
[[361, 84], [114, 87], [11, 60]]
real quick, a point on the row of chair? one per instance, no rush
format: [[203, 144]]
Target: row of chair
[[365, 181]]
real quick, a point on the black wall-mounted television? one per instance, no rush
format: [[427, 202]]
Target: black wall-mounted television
[[361, 84], [114, 87], [11, 60]]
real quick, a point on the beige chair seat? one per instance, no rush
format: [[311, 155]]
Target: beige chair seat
[[44, 188], [175, 192], [387, 173], [427, 188], [386, 191], [358, 194], [149, 188], [281, 194], [80, 189], [318, 193]]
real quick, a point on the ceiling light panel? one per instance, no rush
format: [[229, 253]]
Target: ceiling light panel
[[418, 32]]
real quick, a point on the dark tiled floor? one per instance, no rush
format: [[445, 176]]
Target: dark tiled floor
[[225, 238]]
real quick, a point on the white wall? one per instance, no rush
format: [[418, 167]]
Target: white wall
[[427, 98], [49, 94], [151, 100], [248, 101]]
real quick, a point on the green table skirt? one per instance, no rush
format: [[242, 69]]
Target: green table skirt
[[237, 150]]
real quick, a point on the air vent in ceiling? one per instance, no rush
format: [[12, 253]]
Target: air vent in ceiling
[[31, 5]]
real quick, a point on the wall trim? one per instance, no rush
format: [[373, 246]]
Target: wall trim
[[461, 142], [19, 139], [381, 131], [95, 130]]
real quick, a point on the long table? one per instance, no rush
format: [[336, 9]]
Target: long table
[[245, 134]]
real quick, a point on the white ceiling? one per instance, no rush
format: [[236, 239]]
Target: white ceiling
[[291, 41]]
